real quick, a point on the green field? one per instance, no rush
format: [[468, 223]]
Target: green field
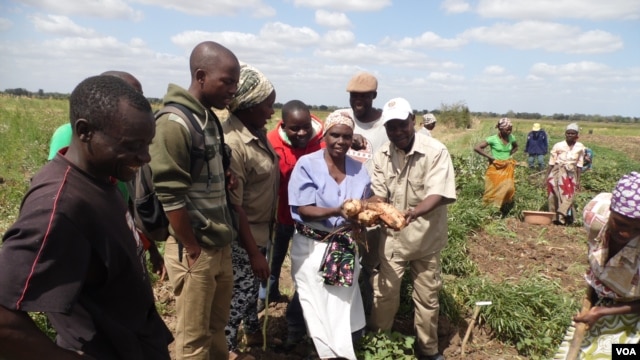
[[26, 126]]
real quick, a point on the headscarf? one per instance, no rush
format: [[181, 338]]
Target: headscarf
[[573, 126], [626, 196], [429, 119], [253, 88], [338, 118], [504, 123]]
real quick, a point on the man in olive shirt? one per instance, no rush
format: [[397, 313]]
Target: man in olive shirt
[[412, 172], [198, 252]]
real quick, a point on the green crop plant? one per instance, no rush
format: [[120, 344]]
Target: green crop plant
[[386, 345]]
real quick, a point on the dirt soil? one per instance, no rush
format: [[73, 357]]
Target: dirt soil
[[516, 251]]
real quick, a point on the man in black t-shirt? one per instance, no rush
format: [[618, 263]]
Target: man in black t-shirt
[[72, 251]]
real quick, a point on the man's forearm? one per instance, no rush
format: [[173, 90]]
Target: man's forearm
[[181, 224], [20, 338]]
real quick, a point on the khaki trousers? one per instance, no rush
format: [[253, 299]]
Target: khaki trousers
[[427, 282], [203, 299]]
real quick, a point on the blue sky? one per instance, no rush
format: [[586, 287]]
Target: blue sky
[[546, 56]]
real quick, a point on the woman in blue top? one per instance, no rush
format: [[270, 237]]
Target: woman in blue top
[[319, 184], [499, 185]]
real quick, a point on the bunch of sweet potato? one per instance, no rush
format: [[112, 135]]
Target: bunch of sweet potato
[[370, 213]]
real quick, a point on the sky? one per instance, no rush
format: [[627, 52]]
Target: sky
[[544, 56]]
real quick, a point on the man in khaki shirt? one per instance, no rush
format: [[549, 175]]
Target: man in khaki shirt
[[413, 172]]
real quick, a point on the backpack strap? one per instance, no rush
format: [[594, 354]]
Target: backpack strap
[[197, 152]]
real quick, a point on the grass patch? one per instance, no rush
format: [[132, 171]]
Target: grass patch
[[531, 314]]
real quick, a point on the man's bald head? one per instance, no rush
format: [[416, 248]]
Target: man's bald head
[[128, 78], [209, 54], [215, 72]]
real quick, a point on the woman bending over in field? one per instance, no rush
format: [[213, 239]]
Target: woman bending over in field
[[612, 221]]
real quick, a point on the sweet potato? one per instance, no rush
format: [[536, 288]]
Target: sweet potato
[[352, 207], [389, 215], [368, 217]]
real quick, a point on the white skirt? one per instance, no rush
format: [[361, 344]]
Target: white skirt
[[326, 308]]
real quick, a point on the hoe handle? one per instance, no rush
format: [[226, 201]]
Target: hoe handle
[[476, 311], [581, 328]]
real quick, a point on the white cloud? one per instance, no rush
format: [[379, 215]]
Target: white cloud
[[271, 45], [345, 5], [60, 25], [494, 70], [247, 47], [272, 40], [98, 47], [334, 20], [371, 55], [591, 77], [552, 37], [89, 57], [106, 9], [445, 77], [554, 9], [257, 8], [338, 38], [426, 40], [5, 24], [455, 6], [579, 68], [288, 35]]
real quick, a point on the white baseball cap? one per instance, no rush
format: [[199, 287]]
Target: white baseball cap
[[396, 109]]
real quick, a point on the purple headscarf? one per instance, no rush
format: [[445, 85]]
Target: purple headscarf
[[626, 196]]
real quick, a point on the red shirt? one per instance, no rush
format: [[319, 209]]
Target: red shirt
[[288, 157]]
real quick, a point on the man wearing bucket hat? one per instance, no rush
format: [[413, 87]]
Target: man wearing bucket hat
[[537, 147], [428, 124], [368, 132], [422, 164]]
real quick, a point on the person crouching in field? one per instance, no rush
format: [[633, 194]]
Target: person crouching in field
[[612, 221], [499, 182]]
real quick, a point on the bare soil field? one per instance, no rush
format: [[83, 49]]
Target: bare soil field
[[510, 253], [556, 252], [629, 145]]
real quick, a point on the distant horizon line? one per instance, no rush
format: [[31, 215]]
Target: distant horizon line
[[278, 105]]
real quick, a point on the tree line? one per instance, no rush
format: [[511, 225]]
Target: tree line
[[457, 114]]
